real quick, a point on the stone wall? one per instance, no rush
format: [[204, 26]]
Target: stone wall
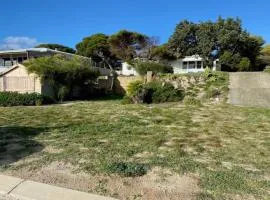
[[122, 82]]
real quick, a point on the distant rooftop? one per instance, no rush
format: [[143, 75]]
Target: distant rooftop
[[38, 50], [24, 50]]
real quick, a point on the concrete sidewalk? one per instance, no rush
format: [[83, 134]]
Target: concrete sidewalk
[[30, 190]]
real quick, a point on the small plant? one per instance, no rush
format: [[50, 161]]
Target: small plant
[[213, 92], [134, 87], [63, 93], [267, 69], [128, 169], [127, 100], [191, 101]]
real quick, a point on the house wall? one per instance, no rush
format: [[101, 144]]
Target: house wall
[[18, 80], [178, 65], [128, 70]]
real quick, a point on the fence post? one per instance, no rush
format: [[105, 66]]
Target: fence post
[[4, 83], [149, 76]]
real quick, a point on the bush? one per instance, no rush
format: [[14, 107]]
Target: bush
[[212, 92], [267, 69], [128, 169], [158, 92], [244, 64], [143, 67], [27, 99], [154, 92], [65, 74], [134, 87], [191, 101], [127, 100]]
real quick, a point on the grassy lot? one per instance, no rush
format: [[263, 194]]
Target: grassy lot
[[227, 148]]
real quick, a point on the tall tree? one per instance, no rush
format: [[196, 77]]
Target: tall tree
[[58, 47], [161, 53], [224, 39], [128, 45], [98, 49], [95, 46], [184, 40]]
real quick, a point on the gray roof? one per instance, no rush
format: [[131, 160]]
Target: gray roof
[[24, 50], [41, 50]]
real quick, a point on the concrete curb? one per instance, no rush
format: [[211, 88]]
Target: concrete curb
[[30, 190]]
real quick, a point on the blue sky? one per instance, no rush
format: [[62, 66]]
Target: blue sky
[[25, 23]]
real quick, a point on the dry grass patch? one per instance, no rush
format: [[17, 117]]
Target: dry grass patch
[[226, 147]]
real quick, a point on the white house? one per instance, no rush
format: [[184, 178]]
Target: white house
[[188, 64], [193, 63], [127, 70]]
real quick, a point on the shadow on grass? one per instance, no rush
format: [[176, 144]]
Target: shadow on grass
[[16, 142]]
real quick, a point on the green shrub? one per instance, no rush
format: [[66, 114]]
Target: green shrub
[[143, 67], [127, 100], [244, 64], [159, 92], [188, 100], [128, 169], [267, 69], [134, 87], [153, 92], [69, 73], [212, 92], [27, 99]]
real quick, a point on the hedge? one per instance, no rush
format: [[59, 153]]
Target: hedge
[[27, 99]]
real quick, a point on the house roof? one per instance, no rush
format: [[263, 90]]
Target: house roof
[[23, 50], [39, 50]]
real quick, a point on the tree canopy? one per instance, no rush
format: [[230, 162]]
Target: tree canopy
[[58, 47], [95, 46], [127, 45], [124, 45], [161, 53], [225, 39]]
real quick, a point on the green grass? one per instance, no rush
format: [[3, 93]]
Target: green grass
[[227, 146]]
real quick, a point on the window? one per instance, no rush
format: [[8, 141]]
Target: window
[[199, 65], [20, 59], [8, 63], [185, 65], [191, 65], [2, 62]]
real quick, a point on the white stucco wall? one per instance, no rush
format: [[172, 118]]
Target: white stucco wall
[[178, 65], [128, 70]]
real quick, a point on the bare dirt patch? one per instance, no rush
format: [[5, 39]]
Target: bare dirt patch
[[157, 184]]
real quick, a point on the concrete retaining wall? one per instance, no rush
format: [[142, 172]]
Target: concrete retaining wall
[[122, 82]]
